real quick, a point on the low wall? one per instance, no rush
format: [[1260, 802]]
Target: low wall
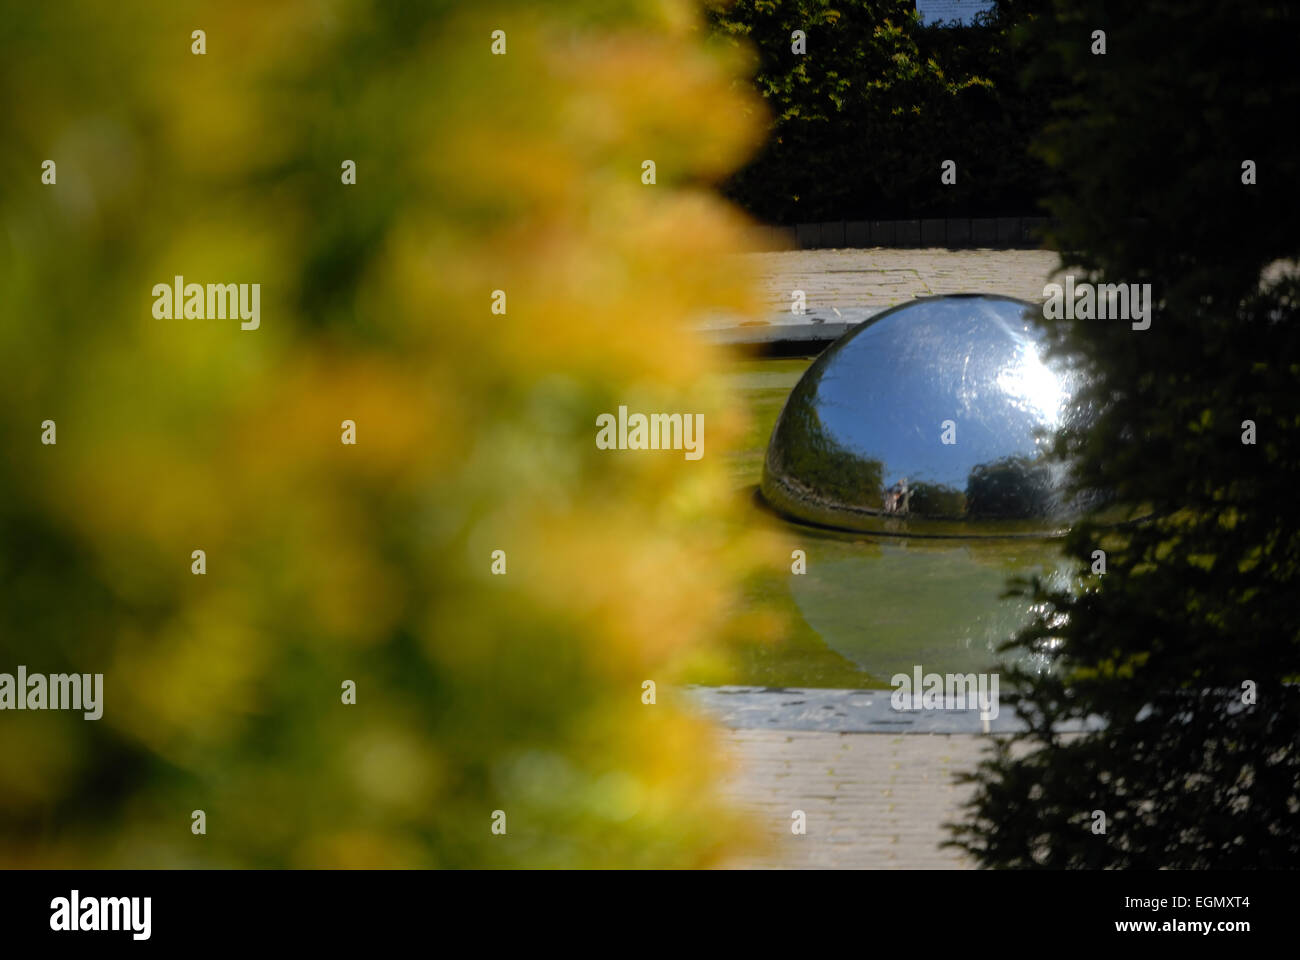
[[954, 233]]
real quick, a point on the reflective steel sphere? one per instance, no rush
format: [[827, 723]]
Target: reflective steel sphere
[[932, 418]]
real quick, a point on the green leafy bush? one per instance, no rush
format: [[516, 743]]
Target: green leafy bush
[[862, 122], [1188, 645]]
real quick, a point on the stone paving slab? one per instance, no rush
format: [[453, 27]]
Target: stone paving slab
[[876, 785], [870, 801], [845, 287], [850, 711], [882, 277]]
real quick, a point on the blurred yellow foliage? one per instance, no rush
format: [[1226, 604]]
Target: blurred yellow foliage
[[329, 562]]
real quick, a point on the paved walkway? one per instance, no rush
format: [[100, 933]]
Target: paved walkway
[[845, 287], [878, 277], [873, 801], [876, 784]]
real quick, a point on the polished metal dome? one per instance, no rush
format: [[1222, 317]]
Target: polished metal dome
[[932, 418]]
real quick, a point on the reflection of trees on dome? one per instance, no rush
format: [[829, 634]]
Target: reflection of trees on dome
[[1012, 487], [937, 500], [802, 450]]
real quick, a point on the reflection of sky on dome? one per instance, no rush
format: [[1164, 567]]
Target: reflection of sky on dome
[[1035, 385], [885, 390]]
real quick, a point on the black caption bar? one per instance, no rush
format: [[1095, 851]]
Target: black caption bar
[[135, 909]]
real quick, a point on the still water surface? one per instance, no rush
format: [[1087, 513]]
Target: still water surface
[[870, 607]]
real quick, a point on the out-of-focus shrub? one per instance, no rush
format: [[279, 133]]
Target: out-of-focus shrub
[[475, 432]]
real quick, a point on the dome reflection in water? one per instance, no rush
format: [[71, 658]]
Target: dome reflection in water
[[926, 430]]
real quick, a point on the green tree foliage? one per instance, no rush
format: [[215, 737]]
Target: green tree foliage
[[861, 123], [1200, 605]]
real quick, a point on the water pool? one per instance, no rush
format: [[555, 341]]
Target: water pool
[[871, 606]]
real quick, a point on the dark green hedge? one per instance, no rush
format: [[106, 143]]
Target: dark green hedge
[[1188, 644], [862, 122]]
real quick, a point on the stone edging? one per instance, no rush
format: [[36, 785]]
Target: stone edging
[[847, 711]]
